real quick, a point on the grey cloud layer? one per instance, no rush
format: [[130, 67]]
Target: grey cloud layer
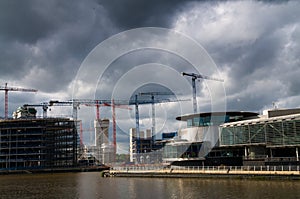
[[256, 44]]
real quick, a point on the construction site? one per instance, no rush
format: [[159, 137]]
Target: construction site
[[242, 138], [28, 141]]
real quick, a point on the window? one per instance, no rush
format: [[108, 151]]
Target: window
[[189, 123]]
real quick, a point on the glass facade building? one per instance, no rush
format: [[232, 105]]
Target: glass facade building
[[201, 135], [243, 138], [270, 132], [273, 139]]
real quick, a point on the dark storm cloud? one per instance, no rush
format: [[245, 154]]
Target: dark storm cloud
[[48, 40], [23, 21], [255, 44], [136, 13]]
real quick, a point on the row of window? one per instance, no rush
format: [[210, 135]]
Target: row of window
[[207, 121], [277, 133]]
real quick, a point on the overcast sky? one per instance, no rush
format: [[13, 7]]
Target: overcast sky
[[254, 44]]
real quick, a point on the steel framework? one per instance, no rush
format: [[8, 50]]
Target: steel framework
[[38, 143]]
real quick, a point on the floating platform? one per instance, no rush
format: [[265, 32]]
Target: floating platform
[[207, 172]]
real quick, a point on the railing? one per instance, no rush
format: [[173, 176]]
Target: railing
[[210, 168], [271, 159]]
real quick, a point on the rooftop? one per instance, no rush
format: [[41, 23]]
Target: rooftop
[[240, 114]]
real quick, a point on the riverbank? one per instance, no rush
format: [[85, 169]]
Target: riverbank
[[207, 172], [53, 170]]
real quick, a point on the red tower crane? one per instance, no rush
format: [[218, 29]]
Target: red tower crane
[[97, 104], [6, 89], [114, 106]]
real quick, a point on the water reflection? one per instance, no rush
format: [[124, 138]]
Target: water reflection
[[91, 185]]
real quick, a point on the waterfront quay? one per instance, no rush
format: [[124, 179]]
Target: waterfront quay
[[54, 170], [289, 172]]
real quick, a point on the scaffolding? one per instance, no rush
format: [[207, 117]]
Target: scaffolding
[[38, 143]]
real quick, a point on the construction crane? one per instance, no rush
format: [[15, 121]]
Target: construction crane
[[114, 106], [81, 132], [152, 94], [44, 106], [136, 101], [97, 104], [74, 103], [194, 77], [6, 89]]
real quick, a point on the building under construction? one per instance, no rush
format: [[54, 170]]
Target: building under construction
[[38, 143], [103, 150], [145, 148]]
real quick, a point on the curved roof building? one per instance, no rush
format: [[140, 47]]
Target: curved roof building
[[237, 138]]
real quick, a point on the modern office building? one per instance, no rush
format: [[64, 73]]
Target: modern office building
[[193, 144], [237, 138], [272, 139]]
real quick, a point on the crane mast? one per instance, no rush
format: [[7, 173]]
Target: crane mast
[[6, 89], [114, 106], [195, 76], [152, 94], [137, 117]]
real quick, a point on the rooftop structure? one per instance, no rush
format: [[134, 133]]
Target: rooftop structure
[[206, 119]]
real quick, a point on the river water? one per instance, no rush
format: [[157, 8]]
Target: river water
[[89, 185]]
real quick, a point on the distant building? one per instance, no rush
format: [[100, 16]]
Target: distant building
[[103, 150], [107, 153], [144, 149], [101, 132], [137, 144], [132, 147]]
